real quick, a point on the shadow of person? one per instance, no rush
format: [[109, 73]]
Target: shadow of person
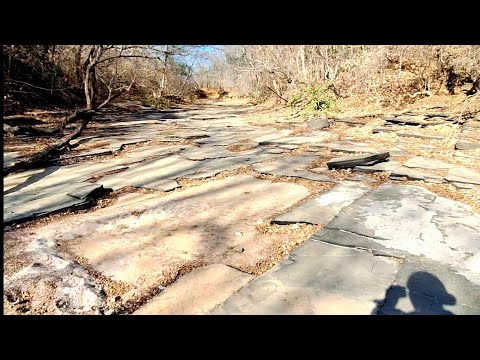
[[427, 294]]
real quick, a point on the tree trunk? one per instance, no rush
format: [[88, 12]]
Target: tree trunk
[[89, 87], [78, 64], [164, 75]]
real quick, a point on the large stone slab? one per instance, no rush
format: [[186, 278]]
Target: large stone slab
[[406, 120], [156, 174], [322, 209], [346, 162], [351, 121], [149, 237], [316, 278], [467, 145], [310, 137], [206, 152], [419, 222], [469, 137], [43, 191], [427, 163], [197, 292], [293, 166], [212, 167], [383, 166], [318, 124], [463, 175], [426, 137], [30, 204], [415, 174], [344, 146]]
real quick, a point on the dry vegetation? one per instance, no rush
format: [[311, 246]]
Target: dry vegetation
[[343, 78]]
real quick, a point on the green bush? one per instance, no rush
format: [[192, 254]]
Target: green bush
[[313, 99], [158, 103]]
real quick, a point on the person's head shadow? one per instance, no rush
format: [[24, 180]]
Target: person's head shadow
[[427, 295]]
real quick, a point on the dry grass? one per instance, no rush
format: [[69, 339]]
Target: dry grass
[[284, 239], [239, 147]]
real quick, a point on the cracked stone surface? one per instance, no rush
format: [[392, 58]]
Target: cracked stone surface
[[416, 221], [392, 250], [322, 209], [415, 174], [198, 292], [316, 278], [141, 237]]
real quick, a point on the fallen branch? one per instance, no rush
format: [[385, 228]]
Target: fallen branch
[[43, 155], [269, 88], [37, 130]]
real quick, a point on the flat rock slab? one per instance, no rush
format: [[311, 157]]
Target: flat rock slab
[[311, 137], [467, 145], [386, 129], [212, 167], [43, 191], [318, 124], [463, 175], [351, 121], [144, 152], [429, 288], [31, 205], [344, 146], [322, 209], [416, 221], [316, 278], [206, 152], [469, 137], [415, 174], [352, 161], [197, 292], [277, 150], [427, 163], [362, 178], [149, 237], [10, 158], [293, 166], [83, 191], [383, 166], [406, 120], [151, 174], [426, 137]]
